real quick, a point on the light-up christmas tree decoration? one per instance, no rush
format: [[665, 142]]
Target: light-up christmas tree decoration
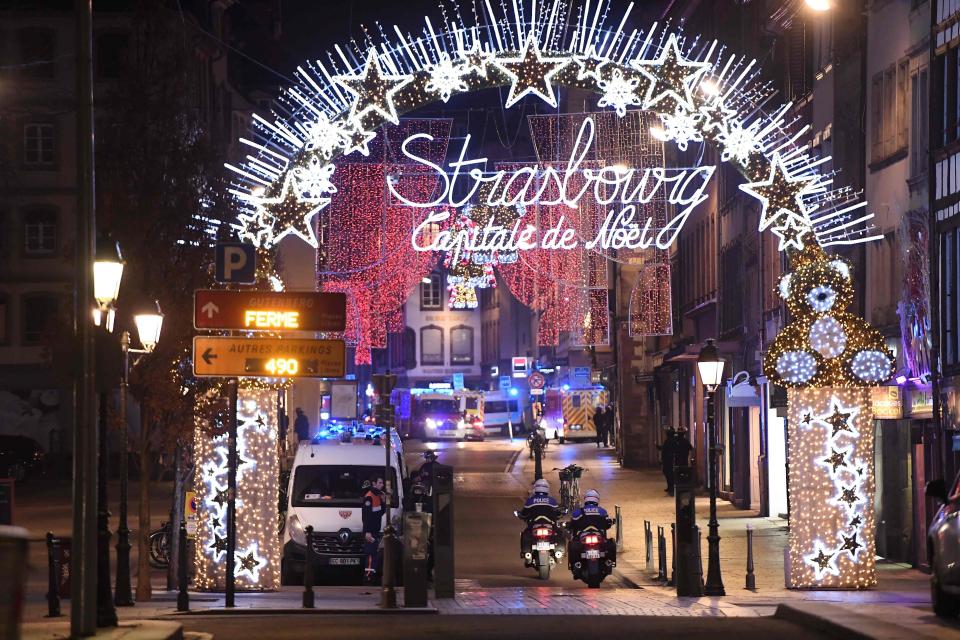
[[257, 555]]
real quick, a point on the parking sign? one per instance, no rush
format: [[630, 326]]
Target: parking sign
[[236, 263]]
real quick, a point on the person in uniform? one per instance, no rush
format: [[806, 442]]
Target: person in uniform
[[374, 508]]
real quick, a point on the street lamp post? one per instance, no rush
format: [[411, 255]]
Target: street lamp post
[[710, 365], [148, 323], [107, 272]]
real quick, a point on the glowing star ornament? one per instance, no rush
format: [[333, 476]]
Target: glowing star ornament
[[590, 64], [823, 563], [476, 59], [791, 232], [851, 544], [836, 460], [531, 73], [716, 116], [357, 139], [446, 77], [839, 420], [374, 90], [619, 92], [779, 193], [292, 214], [671, 76]]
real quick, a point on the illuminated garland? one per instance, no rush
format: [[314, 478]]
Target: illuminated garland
[[257, 553]]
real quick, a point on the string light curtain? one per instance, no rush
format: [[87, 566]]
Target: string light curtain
[[257, 554]]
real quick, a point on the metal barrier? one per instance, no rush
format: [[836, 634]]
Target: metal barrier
[[700, 552], [53, 576], [648, 543], [308, 570], [661, 555], [673, 555], [183, 598], [751, 579], [619, 516]]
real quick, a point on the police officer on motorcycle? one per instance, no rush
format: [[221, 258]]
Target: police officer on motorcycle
[[591, 516], [373, 510], [539, 507]]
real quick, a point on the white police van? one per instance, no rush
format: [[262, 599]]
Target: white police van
[[325, 492]]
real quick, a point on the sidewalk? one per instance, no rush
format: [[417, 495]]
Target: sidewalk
[[901, 599]]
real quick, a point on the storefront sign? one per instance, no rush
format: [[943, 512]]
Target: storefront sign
[[887, 403]]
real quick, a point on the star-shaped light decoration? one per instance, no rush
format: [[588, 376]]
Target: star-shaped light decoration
[[836, 460], [476, 59], [839, 420], [446, 77], [848, 495], [779, 192], [373, 89], [261, 421], [850, 543], [222, 497], [823, 561], [791, 232], [256, 227], [531, 73], [856, 521], [357, 139], [807, 417], [590, 64], [215, 523], [716, 115], [248, 562], [293, 215], [619, 92], [671, 76], [219, 544]]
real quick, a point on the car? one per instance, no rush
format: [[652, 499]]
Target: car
[[943, 549], [20, 457]]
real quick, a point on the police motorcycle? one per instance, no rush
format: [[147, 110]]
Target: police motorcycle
[[542, 541], [592, 555]]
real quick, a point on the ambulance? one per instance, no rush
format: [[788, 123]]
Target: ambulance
[[568, 413]]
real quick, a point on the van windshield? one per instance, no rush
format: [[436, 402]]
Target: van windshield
[[426, 407], [500, 406], [333, 485]]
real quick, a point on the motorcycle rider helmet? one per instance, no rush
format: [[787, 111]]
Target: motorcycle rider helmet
[[541, 486], [431, 456], [591, 497]]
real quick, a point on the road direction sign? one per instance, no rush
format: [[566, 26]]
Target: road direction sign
[[236, 263], [269, 310], [220, 356]]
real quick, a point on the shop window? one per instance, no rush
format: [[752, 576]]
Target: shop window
[[888, 104], [461, 345], [431, 345]]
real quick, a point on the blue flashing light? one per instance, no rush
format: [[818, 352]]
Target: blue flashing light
[[513, 391], [566, 387]]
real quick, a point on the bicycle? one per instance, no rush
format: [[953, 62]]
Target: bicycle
[[570, 486], [160, 546]]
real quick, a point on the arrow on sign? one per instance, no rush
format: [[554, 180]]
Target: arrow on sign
[[210, 309], [208, 355]]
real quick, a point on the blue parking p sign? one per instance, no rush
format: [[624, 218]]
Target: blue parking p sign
[[236, 263]]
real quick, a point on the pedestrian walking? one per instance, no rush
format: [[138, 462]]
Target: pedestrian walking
[[600, 423], [608, 415], [301, 425], [667, 457]]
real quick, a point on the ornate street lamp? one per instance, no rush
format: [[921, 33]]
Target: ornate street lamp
[[710, 365], [107, 273], [149, 321]]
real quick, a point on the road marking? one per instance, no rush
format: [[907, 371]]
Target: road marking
[[513, 461]]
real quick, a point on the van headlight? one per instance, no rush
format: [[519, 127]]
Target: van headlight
[[297, 534], [431, 423]]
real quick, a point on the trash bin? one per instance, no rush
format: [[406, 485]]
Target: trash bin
[[13, 576], [416, 553]]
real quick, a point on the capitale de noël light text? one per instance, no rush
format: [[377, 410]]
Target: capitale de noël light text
[[622, 190]]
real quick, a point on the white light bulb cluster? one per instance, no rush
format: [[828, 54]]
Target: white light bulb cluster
[[831, 542], [827, 337], [796, 366], [821, 298], [871, 366]]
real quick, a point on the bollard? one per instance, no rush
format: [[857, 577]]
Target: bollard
[[648, 542], [751, 579], [390, 552], [183, 598], [619, 516], [699, 553], [661, 555], [53, 565], [673, 555], [308, 570]]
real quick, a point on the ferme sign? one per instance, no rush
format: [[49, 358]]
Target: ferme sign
[[269, 310]]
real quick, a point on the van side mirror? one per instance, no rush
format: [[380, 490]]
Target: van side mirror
[[937, 489]]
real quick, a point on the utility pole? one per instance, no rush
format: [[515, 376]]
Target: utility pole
[[83, 588]]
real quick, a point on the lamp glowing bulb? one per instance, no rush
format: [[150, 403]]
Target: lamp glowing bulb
[[658, 133], [709, 88], [819, 5]]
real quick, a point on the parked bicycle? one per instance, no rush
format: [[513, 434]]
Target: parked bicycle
[[160, 546], [570, 486]]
